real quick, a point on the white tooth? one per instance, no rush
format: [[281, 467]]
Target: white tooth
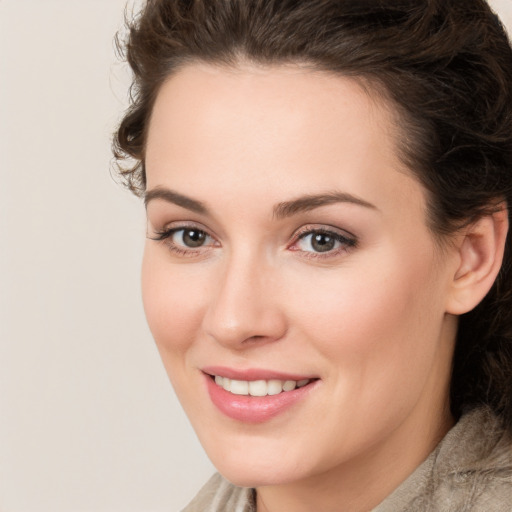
[[226, 384], [219, 380], [274, 387], [239, 387], [289, 385], [302, 383], [258, 388]]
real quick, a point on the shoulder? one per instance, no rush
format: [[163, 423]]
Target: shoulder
[[474, 465], [469, 471], [219, 495]]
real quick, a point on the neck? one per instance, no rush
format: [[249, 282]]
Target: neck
[[362, 483]]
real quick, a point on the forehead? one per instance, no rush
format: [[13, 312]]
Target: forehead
[[262, 126], [202, 96]]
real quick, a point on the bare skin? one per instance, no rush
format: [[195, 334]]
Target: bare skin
[[349, 286]]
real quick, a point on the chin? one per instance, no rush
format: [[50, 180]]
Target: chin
[[246, 474], [256, 464]]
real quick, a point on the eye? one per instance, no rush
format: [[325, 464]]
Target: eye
[[189, 237], [322, 242], [185, 240], [318, 242]]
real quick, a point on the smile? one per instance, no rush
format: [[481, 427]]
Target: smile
[[258, 397], [259, 387]]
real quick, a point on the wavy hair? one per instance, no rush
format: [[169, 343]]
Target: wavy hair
[[446, 68]]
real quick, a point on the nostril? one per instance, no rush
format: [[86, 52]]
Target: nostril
[[254, 338]]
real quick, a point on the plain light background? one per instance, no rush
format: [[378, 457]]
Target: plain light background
[[88, 420]]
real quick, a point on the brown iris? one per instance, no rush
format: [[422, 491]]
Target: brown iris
[[321, 242], [193, 237]]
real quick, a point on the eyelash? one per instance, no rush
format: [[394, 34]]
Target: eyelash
[[165, 235], [347, 242]]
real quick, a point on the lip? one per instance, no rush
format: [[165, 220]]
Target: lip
[[254, 374], [252, 409]]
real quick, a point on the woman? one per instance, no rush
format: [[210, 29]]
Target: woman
[[327, 270]]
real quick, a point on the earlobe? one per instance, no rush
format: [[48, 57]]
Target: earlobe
[[480, 252]]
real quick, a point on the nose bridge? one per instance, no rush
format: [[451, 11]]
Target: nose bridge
[[242, 306]]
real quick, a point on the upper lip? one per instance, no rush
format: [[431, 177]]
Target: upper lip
[[251, 374]]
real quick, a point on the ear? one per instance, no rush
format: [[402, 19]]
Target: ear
[[480, 255]]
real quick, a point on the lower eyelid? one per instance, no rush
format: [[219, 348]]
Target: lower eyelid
[[345, 244], [166, 236]]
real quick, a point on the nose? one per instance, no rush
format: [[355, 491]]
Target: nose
[[243, 309]]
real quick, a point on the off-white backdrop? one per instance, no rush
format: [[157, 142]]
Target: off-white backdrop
[[88, 421]]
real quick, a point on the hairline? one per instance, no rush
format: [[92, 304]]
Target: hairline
[[370, 83]]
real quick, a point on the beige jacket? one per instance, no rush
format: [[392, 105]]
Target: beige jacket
[[469, 471]]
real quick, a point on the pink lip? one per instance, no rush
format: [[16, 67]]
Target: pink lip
[[253, 374], [252, 409]]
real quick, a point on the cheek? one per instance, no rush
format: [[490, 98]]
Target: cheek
[[376, 340], [384, 310], [172, 302]]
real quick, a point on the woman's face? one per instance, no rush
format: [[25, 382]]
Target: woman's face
[[287, 245]]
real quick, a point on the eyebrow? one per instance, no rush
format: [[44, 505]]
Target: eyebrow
[[280, 211], [170, 196], [310, 202]]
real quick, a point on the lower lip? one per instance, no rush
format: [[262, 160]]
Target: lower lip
[[254, 409]]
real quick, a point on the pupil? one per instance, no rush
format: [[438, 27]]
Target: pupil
[[322, 243], [193, 238]]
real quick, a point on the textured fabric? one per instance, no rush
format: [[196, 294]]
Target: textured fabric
[[469, 471], [218, 495]]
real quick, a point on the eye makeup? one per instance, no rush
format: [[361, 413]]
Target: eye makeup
[[322, 242], [310, 241]]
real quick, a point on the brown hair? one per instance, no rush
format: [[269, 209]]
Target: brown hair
[[446, 65]]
